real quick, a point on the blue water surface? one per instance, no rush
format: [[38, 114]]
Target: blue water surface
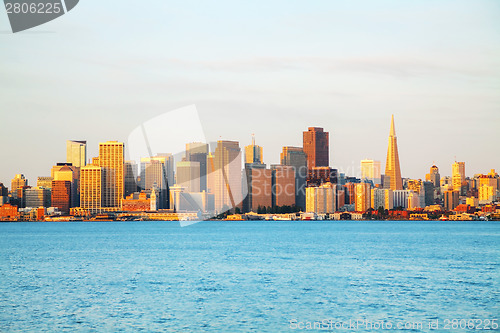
[[246, 276]]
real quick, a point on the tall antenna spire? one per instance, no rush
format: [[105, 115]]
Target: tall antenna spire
[[253, 139]]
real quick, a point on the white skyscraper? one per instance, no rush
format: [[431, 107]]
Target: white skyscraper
[[76, 153]]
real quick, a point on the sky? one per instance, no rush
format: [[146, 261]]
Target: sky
[[272, 68]]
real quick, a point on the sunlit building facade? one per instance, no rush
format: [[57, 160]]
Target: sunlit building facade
[[66, 172], [227, 176], [487, 194], [283, 185], [254, 153], [370, 170], [44, 182], [321, 199], [165, 178], [188, 175], [259, 183], [392, 177], [111, 161], [433, 176], [61, 195], [91, 187], [19, 181], [198, 152], [295, 157], [382, 198], [458, 176], [36, 197], [451, 199], [363, 197], [76, 153], [316, 147]]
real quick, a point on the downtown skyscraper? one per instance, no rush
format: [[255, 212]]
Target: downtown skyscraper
[[316, 147], [295, 157], [253, 153], [91, 187], [198, 152], [111, 161], [392, 179], [224, 176], [76, 153]]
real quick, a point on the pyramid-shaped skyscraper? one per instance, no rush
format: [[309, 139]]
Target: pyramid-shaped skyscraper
[[392, 179]]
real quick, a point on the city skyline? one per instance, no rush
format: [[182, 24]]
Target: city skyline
[[355, 170], [342, 66], [226, 166]]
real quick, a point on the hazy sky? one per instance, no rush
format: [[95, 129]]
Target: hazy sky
[[272, 68]]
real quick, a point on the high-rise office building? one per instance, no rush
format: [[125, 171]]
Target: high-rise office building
[[392, 178], [168, 166], [316, 147], [20, 199], [154, 174], [487, 194], [188, 175], [295, 157], [67, 172], [490, 179], [61, 195], [198, 152], [36, 197], [424, 190], [91, 187], [19, 181], [451, 199], [76, 153], [433, 176], [363, 197], [253, 153], [350, 193], [130, 178], [458, 175], [413, 201], [259, 182], [111, 161], [370, 170], [283, 185], [227, 175]]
